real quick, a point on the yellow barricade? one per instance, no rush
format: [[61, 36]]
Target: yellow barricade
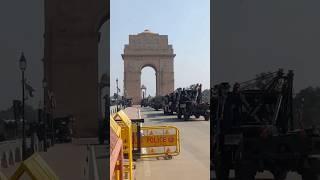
[[126, 136], [116, 154], [159, 141], [36, 168], [115, 127]]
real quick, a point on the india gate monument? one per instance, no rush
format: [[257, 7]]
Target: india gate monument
[[152, 50]]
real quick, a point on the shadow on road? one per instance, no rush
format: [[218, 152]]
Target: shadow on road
[[173, 120], [153, 114], [153, 159]]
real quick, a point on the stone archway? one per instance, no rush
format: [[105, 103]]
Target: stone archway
[[71, 59], [148, 49]]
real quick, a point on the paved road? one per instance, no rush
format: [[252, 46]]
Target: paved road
[[194, 160], [266, 175]]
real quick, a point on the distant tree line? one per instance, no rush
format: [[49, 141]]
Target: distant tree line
[[31, 114], [9, 128]]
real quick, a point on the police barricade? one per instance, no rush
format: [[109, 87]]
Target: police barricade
[[136, 137], [116, 154], [126, 135], [159, 141], [36, 168]]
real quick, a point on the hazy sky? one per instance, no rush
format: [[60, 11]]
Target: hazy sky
[[257, 36], [249, 37], [187, 24], [22, 29]]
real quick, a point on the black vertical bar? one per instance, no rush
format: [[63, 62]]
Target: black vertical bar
[[44, 120], [138, 139], [52, 129], [23, 121]]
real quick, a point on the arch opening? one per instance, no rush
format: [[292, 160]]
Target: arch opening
[[148, 81]]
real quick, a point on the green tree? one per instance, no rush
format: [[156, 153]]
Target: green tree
[[31, 114], [206, 96]]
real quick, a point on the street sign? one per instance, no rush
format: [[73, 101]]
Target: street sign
[[159, 141]]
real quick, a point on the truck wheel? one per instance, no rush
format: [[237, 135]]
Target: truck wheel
[[244, 171], [282, 175], [186, 116], [206, 117], [165, 112], [179, 115]]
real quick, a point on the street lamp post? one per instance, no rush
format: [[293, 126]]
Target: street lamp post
[[23, 66], [45, 84], [52, 128], [117, 95]]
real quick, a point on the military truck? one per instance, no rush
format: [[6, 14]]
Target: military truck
[[190, 103], [127, 102], [253, 131], [170, 102], [157, 102], [144, 102]]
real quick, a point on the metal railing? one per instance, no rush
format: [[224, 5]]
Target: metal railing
[[11, 150], [113, 109]]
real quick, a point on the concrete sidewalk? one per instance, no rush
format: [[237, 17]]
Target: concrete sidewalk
[[133, 112]]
